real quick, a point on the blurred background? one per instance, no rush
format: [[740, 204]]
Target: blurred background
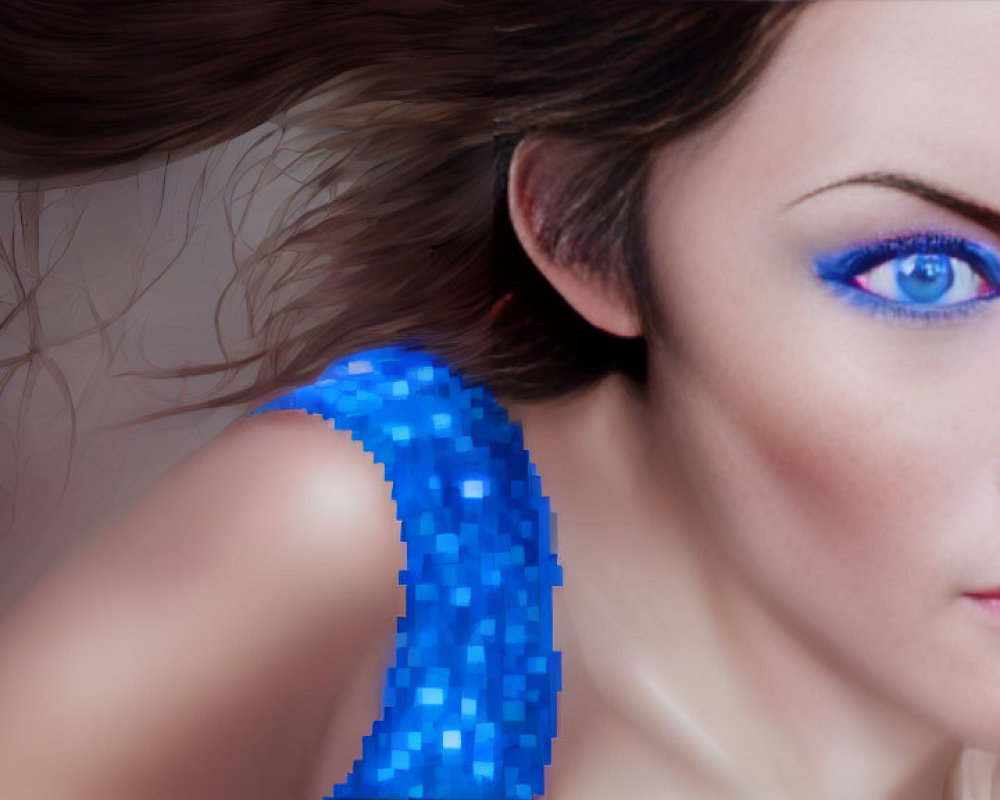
[[111, 272]]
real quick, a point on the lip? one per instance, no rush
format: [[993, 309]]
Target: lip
[[988, 602], [989, 594]]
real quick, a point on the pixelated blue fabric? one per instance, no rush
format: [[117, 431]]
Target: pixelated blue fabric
[[469, 707]]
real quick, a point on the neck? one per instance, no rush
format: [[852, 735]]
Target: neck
[[674, 641]]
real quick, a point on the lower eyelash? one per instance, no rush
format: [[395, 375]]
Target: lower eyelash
[[906, 312]]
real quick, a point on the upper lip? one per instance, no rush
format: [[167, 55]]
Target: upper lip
[[994, 592]]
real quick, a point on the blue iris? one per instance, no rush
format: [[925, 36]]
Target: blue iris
[[925, 278]]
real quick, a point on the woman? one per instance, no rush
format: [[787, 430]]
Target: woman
[[742, 310]]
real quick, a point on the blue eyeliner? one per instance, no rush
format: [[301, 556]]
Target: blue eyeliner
[[839, 271]]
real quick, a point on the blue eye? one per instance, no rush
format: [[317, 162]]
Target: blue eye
[[918, 276]]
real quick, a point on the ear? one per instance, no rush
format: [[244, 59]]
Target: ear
[[538, 162]]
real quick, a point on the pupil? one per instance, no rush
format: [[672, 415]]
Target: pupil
[[925, 278]]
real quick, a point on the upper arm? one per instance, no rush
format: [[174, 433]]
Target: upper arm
[[213, 613]]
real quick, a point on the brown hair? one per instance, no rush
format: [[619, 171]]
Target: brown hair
[[415, 107]]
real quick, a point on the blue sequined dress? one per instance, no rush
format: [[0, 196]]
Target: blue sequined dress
[[469, 706]]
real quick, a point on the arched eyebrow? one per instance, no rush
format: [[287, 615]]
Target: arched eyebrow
[[962, 205]]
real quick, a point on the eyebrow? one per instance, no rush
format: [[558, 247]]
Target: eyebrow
[[964, 206]]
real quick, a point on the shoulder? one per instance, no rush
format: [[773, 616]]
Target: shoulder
[[267, 559], [293, 467], [282, 491]]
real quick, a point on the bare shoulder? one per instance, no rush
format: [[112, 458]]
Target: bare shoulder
[[201, 644], [285, 487], [279, 497]]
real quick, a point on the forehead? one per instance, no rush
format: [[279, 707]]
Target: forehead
[[874, 84]]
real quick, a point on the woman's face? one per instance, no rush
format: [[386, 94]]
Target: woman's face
[[849, 446]]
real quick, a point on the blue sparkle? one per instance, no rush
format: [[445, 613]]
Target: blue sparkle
[[444, 442]]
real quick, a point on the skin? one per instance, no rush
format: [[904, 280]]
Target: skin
[[793, 511], [199, 649]]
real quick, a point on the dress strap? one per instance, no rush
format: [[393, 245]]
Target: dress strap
[[469, 707]]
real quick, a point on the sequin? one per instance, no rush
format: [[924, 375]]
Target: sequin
[[469, 706]]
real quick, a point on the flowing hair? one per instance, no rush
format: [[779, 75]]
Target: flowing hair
[[402, 116]]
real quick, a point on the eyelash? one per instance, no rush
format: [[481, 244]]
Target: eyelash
[[838, 272]]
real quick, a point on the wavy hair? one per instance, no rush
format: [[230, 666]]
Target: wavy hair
[[412, 110]]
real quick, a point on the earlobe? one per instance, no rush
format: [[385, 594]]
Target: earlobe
[[536, 165]]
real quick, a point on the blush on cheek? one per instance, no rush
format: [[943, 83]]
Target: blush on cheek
[[802, 489]]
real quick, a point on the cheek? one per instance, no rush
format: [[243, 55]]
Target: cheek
[[849, 473], [822, 492], [839, 453], [847, 467]]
